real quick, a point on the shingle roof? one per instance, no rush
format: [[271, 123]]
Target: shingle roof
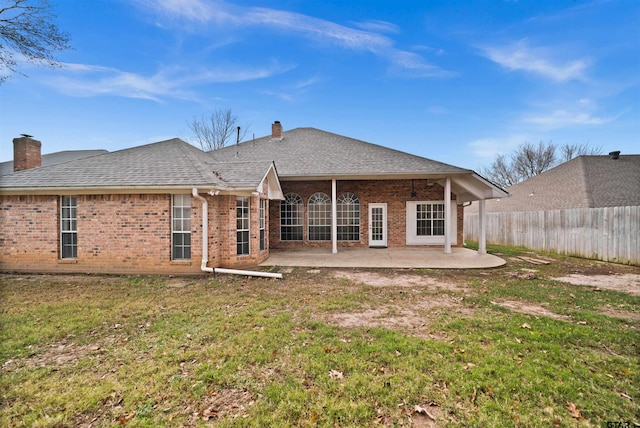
[[171, 163], [309, 152], [582, 182], [302, 154], [55, 158]]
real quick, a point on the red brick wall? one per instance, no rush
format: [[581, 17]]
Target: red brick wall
[[119, 234], [222, 224], [132, 233], [395, 193]]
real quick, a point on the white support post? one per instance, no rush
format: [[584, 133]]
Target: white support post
[[334, 216], [482, 220], [447, 216]]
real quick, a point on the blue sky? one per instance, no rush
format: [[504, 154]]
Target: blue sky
[[454, 81]]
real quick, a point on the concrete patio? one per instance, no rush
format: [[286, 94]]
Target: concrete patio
[[402, 258]]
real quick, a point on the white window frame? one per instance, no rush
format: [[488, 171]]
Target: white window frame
[[68, 226], [243, 226], [348, 215], [412, 236], [291, 217], [319, 208], [180, 227], [263, 237]]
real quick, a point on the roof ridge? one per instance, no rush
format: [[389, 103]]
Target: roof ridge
[[58, 164], [267, 138], [216, 162], [586, 188], [197, 163]]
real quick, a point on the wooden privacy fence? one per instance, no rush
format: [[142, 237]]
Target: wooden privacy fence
[[609, 234]]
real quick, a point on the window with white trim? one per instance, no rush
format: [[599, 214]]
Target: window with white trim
[[242, 225], [68, 227], [291, 218], [430, 219], [348, 217], [319, 217], [181, 227], [427, 223], [263, 238]]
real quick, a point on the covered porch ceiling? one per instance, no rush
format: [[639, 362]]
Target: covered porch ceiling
[[467, 186]]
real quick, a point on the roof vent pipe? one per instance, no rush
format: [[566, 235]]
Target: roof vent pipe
[[614, 155]]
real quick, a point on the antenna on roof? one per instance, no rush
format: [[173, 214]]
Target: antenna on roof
[[238, 142]]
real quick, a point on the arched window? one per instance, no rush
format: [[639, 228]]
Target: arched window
[[291, 217], [348, 217], [319, 217]]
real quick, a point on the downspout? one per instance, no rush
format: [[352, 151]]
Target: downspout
[[447, 215], [205, 247], [205, 231]]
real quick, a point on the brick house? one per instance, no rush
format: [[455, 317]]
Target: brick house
[[168, 207]]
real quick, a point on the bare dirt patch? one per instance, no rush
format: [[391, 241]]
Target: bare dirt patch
[[625, 315], [413, 319], [57, 354], [531, 309], [179, 282], [626, 283], [375, 279], [225, 403]]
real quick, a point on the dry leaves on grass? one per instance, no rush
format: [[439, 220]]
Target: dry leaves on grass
[[335, 374], [225, 403], [574, 411]]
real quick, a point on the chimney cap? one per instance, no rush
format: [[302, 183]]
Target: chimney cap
[[614, 154], [26, 135]]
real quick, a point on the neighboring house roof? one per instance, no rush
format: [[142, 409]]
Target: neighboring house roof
[[312, 154], [582, 182], [55, 158], [167, 164]]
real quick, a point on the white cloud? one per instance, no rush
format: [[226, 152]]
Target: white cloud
[[561, 118], [378, 26], [520, 56], [416, 65], [486, 149], [567, 113], [173, 82], [308, 82], [367, 39], [194, 10], [280, 95]]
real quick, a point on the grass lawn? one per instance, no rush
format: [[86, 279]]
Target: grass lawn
[[511, 346]]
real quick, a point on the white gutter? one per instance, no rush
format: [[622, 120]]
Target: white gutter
[[205, 246]]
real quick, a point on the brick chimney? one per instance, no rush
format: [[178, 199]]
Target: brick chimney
[[276, 130], [26, 153]]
